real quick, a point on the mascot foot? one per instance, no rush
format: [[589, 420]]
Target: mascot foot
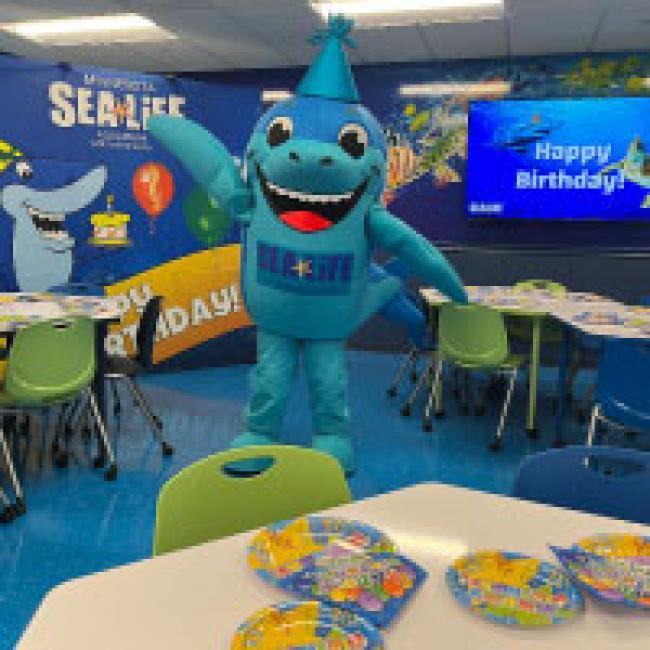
[[339, 447], [249, 439]]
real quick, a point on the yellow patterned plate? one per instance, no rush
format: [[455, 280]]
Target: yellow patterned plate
[[308, 625], [279, 550]]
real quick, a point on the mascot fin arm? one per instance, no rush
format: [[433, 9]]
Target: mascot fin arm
[[378, 294], [426, 261], [205, 158]]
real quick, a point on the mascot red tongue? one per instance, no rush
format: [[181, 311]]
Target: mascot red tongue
[[305, 220]]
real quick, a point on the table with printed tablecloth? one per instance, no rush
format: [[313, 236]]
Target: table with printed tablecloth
[[21, 309], [196, 598], [579, 312]]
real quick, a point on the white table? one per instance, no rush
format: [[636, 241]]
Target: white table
[[194, 599]]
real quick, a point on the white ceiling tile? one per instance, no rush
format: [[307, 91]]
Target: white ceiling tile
[[467, 40], [391, 44], [221, 34]]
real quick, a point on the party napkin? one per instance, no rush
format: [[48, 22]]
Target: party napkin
[[373, 586]]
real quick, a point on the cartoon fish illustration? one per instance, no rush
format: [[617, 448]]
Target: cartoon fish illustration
[[42, 247]]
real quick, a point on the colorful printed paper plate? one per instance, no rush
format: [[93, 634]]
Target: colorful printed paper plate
[[578, 296], [613, 568], [374, 586], [281, 550], [514, 589], [599, 318], [307, 625]]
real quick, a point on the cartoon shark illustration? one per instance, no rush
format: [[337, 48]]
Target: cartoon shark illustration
[[309, 204], [42, 247], [521, 136], [635, 167]]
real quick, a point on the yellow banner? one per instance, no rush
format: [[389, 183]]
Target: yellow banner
[[202, 300]]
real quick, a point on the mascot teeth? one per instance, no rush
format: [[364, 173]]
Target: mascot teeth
[[313, 212]]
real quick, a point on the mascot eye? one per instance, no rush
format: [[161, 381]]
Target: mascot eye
[[24, 170], [279, 131], [353, 139]]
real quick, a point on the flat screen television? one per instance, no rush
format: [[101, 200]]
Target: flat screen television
[[579, 159]]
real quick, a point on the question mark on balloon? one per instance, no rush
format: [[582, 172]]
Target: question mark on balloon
[[152, 177], [153, 188]]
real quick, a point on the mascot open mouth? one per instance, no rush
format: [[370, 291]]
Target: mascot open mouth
[[309, 212]]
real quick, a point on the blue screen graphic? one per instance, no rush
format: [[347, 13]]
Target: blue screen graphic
[[575, 159]]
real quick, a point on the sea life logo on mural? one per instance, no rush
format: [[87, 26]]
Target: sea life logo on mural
[[153, 189], [38, 206], [112, 102]]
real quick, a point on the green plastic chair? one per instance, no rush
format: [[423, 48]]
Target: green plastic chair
[[203, 503], [50, 363], [522, 329], [473, 337]]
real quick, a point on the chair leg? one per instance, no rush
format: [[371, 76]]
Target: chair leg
[[18, 491], [154, 420], [496, 443], [593, 423], [111, 472], [117, 404], [408, 405], [407, 363], [413, 374], [434, 396], [438, 387], [8, 512]]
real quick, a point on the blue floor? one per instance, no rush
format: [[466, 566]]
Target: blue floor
[[79, 524]]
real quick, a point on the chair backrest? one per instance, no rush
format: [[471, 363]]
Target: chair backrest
[[555, 288], [203, 503], [146, 335], [473, 334], [622, 382], [573, 477], [78, 289], [645, 301], [51, 360]]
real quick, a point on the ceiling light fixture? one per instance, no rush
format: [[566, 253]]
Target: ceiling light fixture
[[81, 30], [272, 95], [478, 88], [383, 13]]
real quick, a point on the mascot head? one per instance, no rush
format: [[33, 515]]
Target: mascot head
[[318, 159]]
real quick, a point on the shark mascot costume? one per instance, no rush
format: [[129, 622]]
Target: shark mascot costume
[[309, 205]]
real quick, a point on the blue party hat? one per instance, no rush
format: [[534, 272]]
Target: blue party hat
[[330, 75]]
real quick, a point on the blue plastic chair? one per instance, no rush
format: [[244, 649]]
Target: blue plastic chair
[[645, 301], [622, 397], [608, 481]]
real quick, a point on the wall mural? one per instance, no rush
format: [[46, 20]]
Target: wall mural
[[86, 196]]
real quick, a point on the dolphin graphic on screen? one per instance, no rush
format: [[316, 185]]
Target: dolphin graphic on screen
[[635, 167]]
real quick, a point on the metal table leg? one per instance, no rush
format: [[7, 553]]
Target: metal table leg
[[535, 342], [568, 341], [99, 383]]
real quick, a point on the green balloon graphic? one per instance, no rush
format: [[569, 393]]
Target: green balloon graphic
[[205, 218]]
